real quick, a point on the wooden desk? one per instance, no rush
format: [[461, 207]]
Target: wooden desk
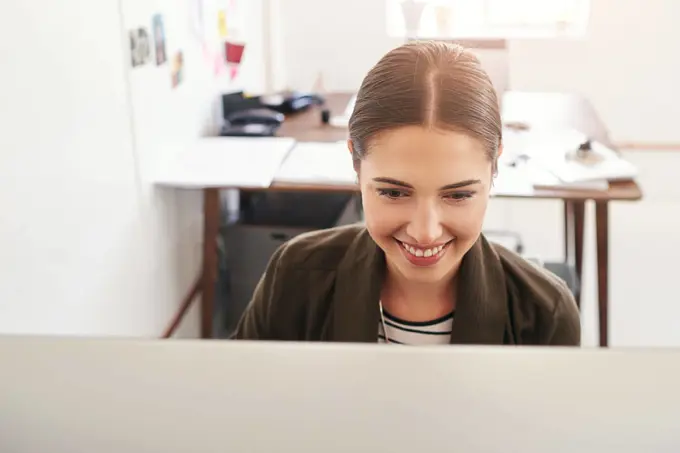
[[555, 110]]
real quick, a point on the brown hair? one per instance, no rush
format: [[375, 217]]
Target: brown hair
[[431, 84]]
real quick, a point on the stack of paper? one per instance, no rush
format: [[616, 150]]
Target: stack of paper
[[226, 162], [539, 143], [606, 165], [318, 163], [552, 160], [543, 179]]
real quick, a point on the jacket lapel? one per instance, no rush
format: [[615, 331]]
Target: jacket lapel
[[482, 305], [357, 292]]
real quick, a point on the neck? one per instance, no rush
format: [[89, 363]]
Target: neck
[[418, 301]]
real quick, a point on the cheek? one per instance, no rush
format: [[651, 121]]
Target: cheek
[[466, 220], [380, 218]]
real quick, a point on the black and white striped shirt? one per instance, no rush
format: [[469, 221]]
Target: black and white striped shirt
[[399, 331]]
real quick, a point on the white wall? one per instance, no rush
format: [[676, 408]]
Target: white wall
[[87, 244], [627, 66], [340, 38]]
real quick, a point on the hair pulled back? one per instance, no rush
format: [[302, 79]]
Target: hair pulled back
[[430, 84]]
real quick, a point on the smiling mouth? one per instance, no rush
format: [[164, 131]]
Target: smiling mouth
[[423, 256]]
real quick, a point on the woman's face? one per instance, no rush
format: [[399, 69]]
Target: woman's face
[[425, 193]]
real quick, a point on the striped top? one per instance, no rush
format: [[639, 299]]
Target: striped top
[[399, 331]]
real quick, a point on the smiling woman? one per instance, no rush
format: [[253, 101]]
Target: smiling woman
[[425, 136]]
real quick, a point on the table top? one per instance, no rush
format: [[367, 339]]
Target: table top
[[210, 162], [547, 110]]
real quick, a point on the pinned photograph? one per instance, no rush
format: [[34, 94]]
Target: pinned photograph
[[222, 23], [159, 39], [140, 47], [177, 69]]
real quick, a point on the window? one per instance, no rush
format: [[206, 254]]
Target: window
[[479, 19]]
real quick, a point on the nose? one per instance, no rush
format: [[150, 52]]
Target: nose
[[425, 225]]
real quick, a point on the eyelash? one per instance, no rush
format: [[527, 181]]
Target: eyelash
[[396, 194]]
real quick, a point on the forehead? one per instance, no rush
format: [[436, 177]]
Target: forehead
[[420, 155]]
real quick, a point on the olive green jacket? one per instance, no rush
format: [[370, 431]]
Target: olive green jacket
[[325, 286]]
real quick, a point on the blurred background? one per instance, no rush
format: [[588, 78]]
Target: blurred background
[[96, 98]]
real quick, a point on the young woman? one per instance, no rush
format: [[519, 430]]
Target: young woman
[[425, 136]]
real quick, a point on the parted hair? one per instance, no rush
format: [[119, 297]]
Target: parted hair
[[431, 84]]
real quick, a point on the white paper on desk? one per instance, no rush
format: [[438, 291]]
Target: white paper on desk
[[238, 162], [540, 143], [318, 163], [549, 149], [611, 167], [522, 179], [543, 179]]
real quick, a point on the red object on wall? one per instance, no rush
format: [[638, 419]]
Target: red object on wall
[[233, 52]]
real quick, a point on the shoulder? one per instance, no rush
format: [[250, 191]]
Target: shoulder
[[540, 299], [289, 301], [321, 249], [538, 285], [292, 298]]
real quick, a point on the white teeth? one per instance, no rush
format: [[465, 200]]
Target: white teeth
[[422, 252]]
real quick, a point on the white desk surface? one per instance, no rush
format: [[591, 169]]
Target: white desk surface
[[235, 162], [79, 395], [224, 162], [317, 163]]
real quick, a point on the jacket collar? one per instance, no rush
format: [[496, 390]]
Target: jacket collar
[[357, 292], [482, 305], [481, 308]]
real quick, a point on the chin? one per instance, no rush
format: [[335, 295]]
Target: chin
[[431, 276]]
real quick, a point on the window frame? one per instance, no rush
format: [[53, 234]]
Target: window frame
[[577, 28]]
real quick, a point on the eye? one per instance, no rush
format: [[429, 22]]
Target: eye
[[459, 196], [392, 194]]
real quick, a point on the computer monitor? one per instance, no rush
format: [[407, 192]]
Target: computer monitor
[[85, 395]]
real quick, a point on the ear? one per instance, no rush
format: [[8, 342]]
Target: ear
[[494, 164], [350, 147]]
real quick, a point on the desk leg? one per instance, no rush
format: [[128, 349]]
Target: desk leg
[[602, 227], [211, 225], [574, 214]]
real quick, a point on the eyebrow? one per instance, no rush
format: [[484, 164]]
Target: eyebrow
[[455, 185]]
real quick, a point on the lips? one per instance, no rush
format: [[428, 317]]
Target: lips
[[425, 256], [422, 252]]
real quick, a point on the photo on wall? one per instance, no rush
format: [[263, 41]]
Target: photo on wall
[[159, 39], [222, 23], [140, 47], [177, 74]]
